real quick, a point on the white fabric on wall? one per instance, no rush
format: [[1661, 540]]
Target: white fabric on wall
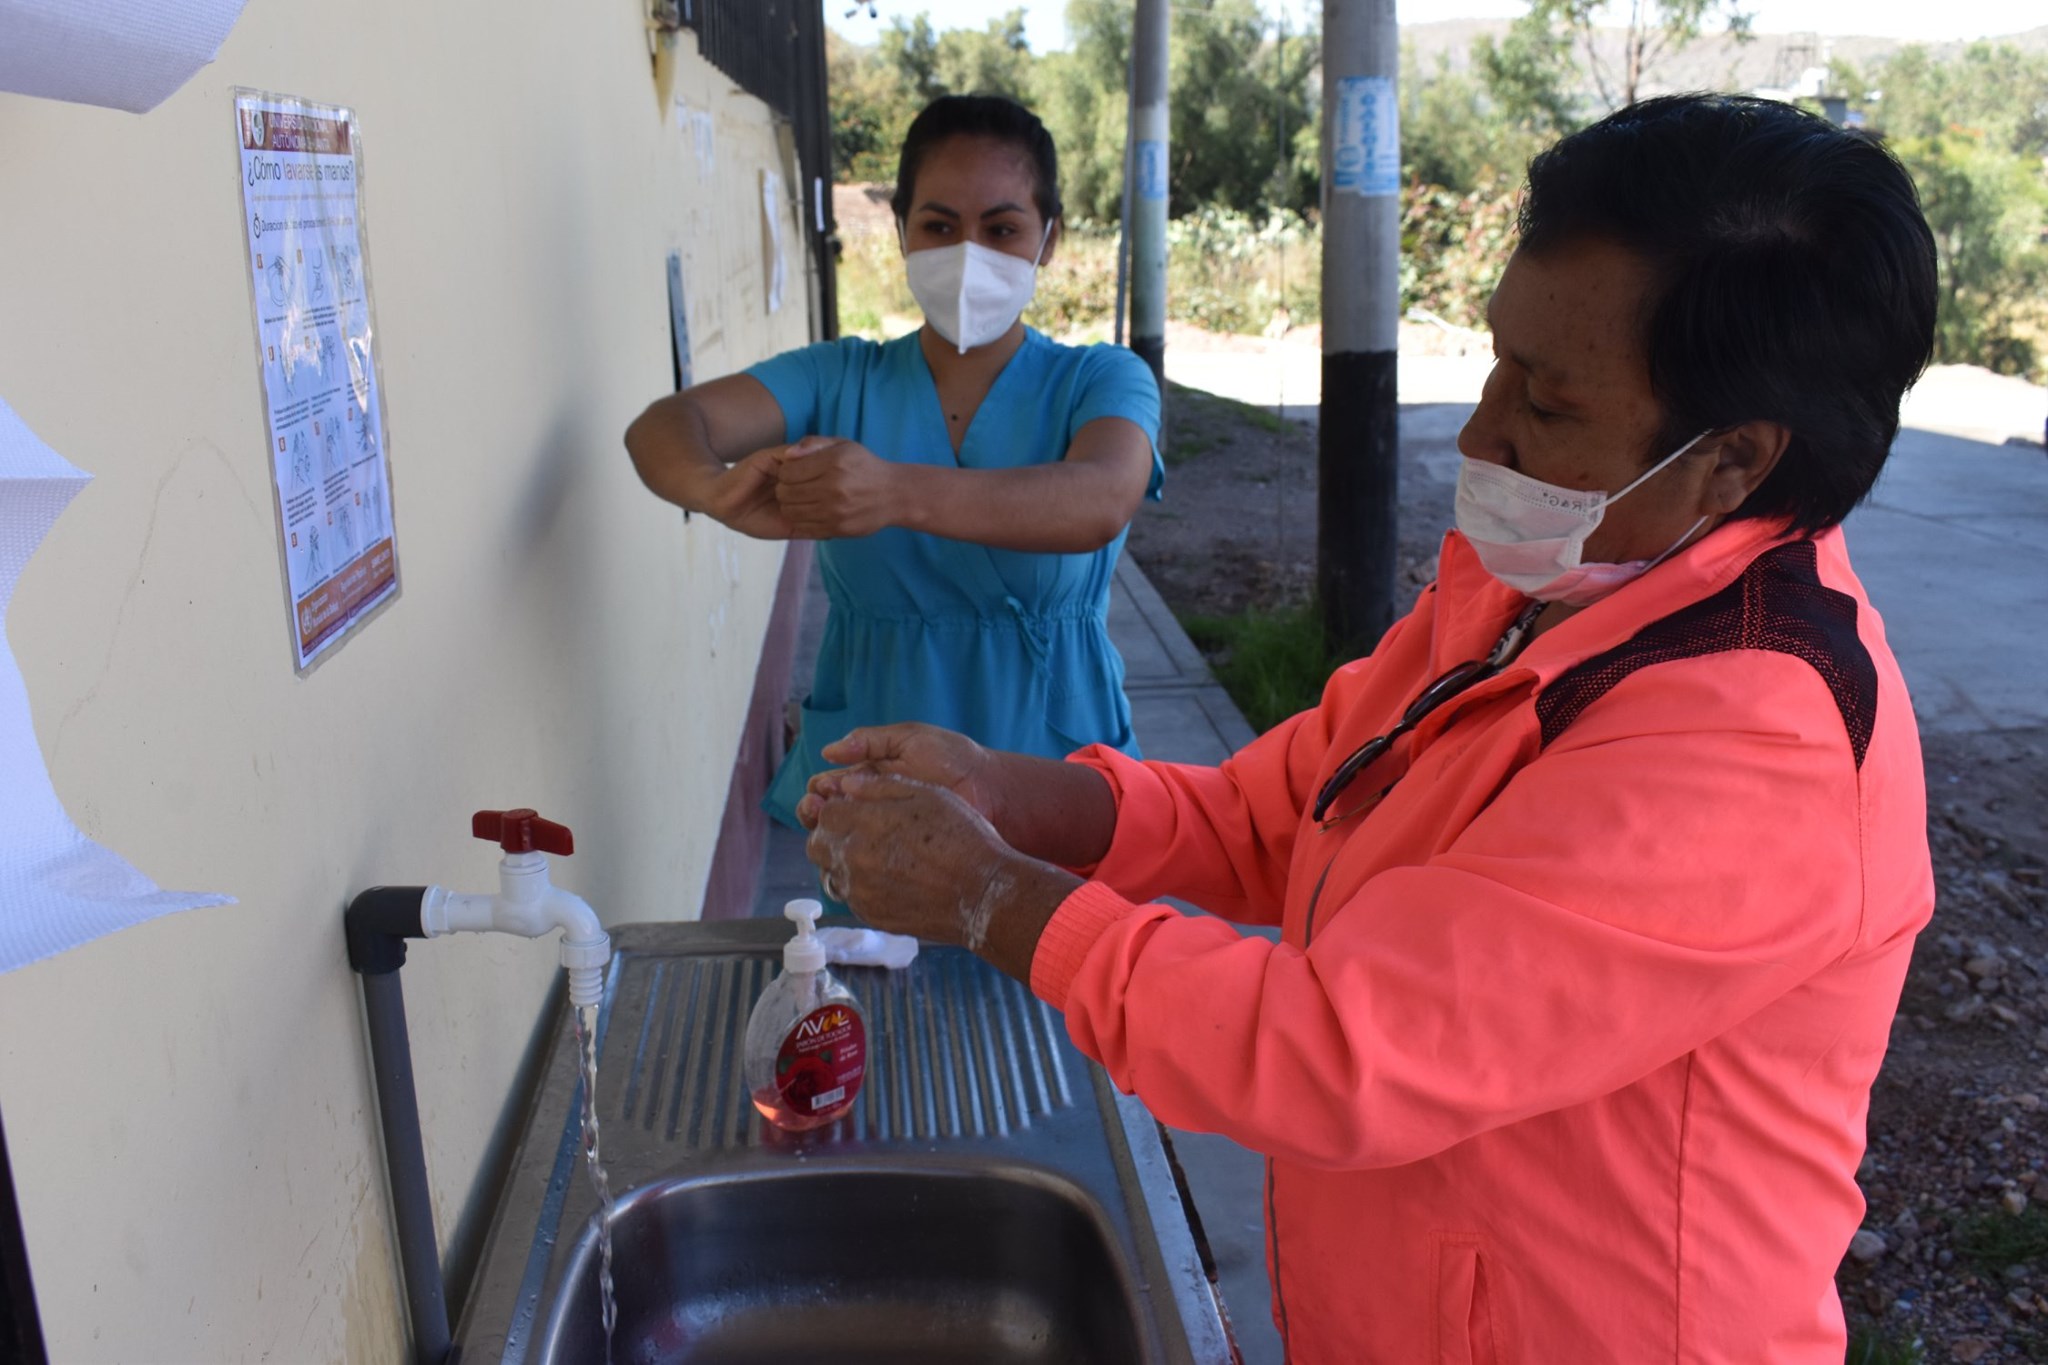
[[124, 54], [58, 889]]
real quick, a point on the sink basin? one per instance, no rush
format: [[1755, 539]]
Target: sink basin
[[990, 1198], [852, 1265]]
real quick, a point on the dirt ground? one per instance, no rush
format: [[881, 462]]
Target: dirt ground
[[1954, 1252]]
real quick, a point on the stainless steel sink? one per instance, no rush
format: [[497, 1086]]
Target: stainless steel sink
[[990, 1197], [855, 1263]]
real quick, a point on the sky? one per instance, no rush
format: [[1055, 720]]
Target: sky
[[1920, 20]]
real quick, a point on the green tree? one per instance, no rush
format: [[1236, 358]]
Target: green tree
[[1652, 31], [870, 110], [1973, 131], [1989, 212], [876, 92], [1087, 123], [1080, 95], [1237, 97], [1445, 136], [1997, 90], [1463, 129], [1530, 78], [1241, 107], [992, 61], [911, 50]]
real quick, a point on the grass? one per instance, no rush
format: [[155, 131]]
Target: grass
[[1997, 1240], [1199, 422], [1870, 1345], [1272, 663]]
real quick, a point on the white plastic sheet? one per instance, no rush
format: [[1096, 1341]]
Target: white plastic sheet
[[771, 226], [124, 54], [58, 889]]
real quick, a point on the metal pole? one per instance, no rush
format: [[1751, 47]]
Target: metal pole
[[1358, 454], [1148, 221], [1123, 212]]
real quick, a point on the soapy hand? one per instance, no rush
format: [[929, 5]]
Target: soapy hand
[[912, 858], [828, 488], [922, 753]]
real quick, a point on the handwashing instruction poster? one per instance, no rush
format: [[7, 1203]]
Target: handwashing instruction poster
[[302, 211]]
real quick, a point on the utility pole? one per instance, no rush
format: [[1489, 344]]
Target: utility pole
[[1148, 201], [1358, 450]]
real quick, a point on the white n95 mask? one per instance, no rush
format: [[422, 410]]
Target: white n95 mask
[[1530, 534], [971, 293]]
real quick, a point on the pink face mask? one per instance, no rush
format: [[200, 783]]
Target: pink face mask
[[1531, 535]]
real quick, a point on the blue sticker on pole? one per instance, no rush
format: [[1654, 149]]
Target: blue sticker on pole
[[1365, 157], [1151, 167]]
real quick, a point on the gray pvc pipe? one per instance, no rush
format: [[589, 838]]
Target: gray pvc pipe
[[405, 1157]]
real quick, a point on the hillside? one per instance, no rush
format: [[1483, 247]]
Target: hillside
[[1713, 63]]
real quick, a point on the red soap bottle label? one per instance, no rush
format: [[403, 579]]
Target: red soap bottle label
[[819, 1067]]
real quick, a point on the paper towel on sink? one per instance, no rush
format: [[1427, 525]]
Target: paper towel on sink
[[125, 54], [867, 948], [58, 889]]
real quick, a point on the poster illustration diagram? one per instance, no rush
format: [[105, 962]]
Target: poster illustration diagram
[[316, 343]]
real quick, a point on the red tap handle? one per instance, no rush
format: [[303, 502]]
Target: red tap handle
[[522, 831]]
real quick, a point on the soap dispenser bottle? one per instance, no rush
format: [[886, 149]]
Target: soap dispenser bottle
[[807, 1043]]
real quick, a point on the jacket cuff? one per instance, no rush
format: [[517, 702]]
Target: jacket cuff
[[1083, 917]]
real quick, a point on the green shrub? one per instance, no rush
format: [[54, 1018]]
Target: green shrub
[[874, 296], [1231, 272], [1453, 247], [1077, 288], [1224, 272]]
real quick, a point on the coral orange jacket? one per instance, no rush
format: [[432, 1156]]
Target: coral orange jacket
[[1564, 1053]]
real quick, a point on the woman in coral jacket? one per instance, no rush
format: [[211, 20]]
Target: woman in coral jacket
[[1597, 880]]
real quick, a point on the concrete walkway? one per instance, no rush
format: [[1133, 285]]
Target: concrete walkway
[[1953, 548], [1183, 715]]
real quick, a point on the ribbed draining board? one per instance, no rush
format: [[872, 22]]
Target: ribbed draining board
[[956, 1050]]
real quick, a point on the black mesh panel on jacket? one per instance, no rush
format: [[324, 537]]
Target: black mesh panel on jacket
[[1779, 604]]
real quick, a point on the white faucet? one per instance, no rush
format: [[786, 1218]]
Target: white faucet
[[527, 903]]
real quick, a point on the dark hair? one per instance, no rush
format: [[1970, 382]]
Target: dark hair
[[1795, 278], [951, 116]]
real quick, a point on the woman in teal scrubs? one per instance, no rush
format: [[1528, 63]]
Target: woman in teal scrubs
[[970, 484]]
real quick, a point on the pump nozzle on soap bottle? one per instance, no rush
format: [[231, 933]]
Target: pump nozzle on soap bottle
[[804, 952], [806, 1048]]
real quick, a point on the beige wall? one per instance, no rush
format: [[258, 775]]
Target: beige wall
[[187, 1102]]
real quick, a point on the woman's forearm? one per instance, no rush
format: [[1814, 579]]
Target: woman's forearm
[[1061, 508], [1047, 809], [1074, 505], [670, 444]]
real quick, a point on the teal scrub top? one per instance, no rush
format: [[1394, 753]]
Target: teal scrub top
[[1010, 647]]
